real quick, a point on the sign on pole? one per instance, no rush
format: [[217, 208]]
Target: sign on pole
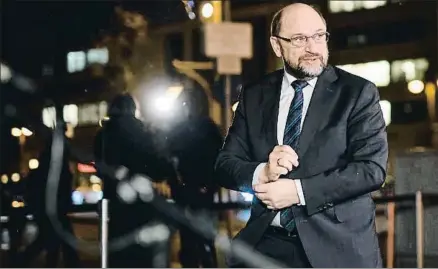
[[230, 40]]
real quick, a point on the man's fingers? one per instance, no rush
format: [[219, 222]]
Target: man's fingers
[[262, 196], [285, 163], [280, 170], [275, 156], [289, 150], [260, 188]]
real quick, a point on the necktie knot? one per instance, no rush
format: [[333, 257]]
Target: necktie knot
[[299, 85]]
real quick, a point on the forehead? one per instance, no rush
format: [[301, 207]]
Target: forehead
[[301, 21]]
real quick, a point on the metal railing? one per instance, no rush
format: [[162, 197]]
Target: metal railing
[[419, 199]]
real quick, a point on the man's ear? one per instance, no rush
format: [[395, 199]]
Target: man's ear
[[275, 46]]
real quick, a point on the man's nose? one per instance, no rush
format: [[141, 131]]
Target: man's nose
[[311, 46]]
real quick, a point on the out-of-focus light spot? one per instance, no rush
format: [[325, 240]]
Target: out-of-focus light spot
[[77, 198], [95, 179], [86, 168], [192, 15], [164, 104], [15, 177], [33, 164], [4, 179], [16, 132], [416, 86], [5, 73], [207, 10], [386, 111], [247, 196], [15, 204], [96, 187], [234, 107], [26, 132]]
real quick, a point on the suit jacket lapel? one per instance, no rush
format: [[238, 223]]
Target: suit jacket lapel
[[269, 106], [318, 107]]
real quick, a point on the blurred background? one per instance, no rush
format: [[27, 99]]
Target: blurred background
[[70, 59]]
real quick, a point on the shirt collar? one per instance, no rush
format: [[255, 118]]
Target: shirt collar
[[289, 79]]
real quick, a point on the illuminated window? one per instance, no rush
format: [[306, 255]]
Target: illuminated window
[[49, 116], [98, 56], [103, 108], [409, 69], [70, 114], [376, 72], [349, 6], [386, 111], [76, 61]]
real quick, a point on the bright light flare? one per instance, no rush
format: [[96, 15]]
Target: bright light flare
[[26, 132], [416, 86], [247, 196], [207, 10], [165, 103], [33, 164], [15, 177]]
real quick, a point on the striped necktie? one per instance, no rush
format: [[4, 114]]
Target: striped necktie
[[291, 136]]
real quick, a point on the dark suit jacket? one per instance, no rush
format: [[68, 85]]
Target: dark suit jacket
[[343, 154]]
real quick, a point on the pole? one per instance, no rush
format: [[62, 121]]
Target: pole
[[419, 228], [229, 214], [227, 107], [104, 234], [390, 242]]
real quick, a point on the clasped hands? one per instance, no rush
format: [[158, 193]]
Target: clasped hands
[[275, 192]]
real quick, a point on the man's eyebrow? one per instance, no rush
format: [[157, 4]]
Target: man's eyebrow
[[317, 31]]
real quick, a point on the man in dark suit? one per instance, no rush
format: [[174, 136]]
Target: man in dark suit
[[310, 142]]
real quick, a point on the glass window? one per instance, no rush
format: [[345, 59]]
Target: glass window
[[98, 56], [71, 114], [76, 61], [349, 6], [409, 69], [49, 117], [377, 72]]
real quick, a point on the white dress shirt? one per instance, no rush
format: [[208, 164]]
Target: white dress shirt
[[287, 94]]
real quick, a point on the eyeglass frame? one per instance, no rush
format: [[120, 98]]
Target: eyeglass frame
[[290, 40]]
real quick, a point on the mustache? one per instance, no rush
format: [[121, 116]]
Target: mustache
[[315, 55]]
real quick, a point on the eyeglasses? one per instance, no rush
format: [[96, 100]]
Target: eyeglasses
[[301, 40]]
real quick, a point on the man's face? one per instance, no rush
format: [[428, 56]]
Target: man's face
[[304, 56]]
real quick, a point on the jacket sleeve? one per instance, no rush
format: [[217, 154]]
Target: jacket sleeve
[[234, 167], [368, 154]]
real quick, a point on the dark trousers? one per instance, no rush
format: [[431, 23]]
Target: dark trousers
[[285, 248]]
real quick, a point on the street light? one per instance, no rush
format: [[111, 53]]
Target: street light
[[26, 132], [211, 11], [416, 86], [33, 164], [207, 10], [15, 177], [16, 132], [22, 134]]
